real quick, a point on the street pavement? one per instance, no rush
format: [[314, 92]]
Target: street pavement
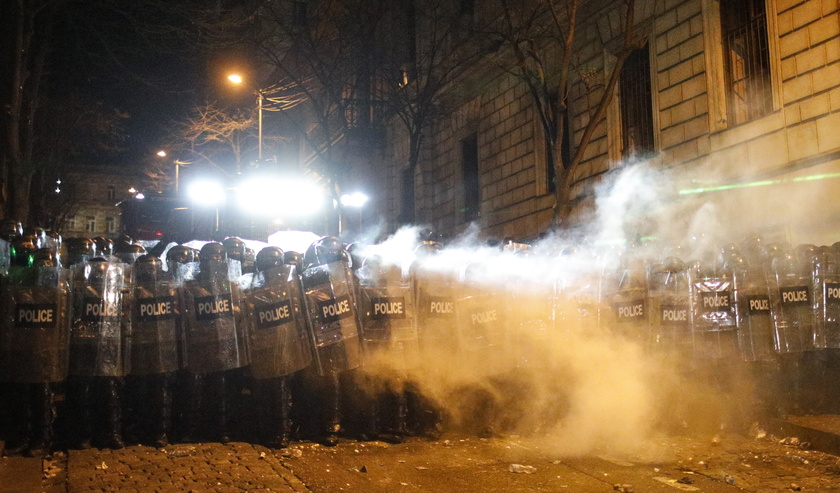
[[726, 462]]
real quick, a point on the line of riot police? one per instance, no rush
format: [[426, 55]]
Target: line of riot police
[[203, 344]]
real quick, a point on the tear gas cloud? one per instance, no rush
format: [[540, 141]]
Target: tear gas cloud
[[555, 364]]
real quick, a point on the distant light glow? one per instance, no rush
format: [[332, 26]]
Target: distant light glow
[[161, 153], [235, 78], [280, 197], [208, 193], [132, 190], [140, 196], [356, 199]]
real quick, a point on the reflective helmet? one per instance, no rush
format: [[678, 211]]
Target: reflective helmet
[[428, 248], [129, 253], [10, 230], [79, 250], [45, 257], [269, 257], [104, 246], [235, 248], [292, 258], [181, 254], [324, 251], [212, 252], [38, 235], [148, 268], [22, 252]]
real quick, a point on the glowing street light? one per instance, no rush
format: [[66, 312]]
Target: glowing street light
[[237, 79], [355, 200]]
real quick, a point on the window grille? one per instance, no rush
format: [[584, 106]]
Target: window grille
[[746, 60], [636, 105]]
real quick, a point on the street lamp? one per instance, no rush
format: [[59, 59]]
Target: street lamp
[[237, 79], [162, 153]]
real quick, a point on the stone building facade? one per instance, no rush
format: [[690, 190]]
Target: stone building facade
[[93, 193], [741, 129]]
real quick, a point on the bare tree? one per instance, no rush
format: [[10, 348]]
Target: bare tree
[[433, 45], [216, 137], [541, 35]]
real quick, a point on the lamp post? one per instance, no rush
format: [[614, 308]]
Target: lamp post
[[162, 153], [237, 79]]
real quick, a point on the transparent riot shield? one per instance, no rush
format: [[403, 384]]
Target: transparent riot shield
[[529, 312], [669, 308], [436, 320], [276, 321], [481, 322], [791, 299], [155, 324], [627, 293], [713, 324], [332, 310], [98, 344], [35, 330], [752, 311], [211, 312], [827, 301], [577, 292], [387, 308]]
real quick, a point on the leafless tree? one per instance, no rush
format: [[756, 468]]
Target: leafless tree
[[541, 35]]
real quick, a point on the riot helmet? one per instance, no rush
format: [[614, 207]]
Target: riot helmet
[[104, 246], [79, 250], [428, 249], [269, 257], [324, 251], [181, 254], [212, 252], [235, 248], [22, 252], [11, 230], [45, 257], [128, 252], [148, 268], [292, 258], [38, 235]]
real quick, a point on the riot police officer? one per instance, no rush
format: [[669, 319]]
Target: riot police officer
[[99, 352], [211, 314], [331, 307], [279, 342], [154, 348], [35, 341]]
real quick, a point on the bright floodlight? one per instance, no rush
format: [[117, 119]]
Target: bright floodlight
[[206, 193], [161, 153], [235, 78], [280, 197], [140, 196], [356, 199]]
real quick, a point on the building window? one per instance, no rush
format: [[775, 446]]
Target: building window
[[746, 60], [90, 224], [71, 223], [112, 192], [110, 224], [636, 106], [299, 13], [472, 187]]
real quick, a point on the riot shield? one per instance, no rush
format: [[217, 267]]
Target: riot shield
[[35, 330], [97, 339], [279, 336], [752, 311], [713, 322], [155, 325], [387, 309], [627, 294], [791, 298], [213, 320], [480, 319], [668, 296], [436, 319], [828, 284], [333, 317]]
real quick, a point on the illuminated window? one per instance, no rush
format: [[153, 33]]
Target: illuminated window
[[110, 224], [71, 222], [90, 224], [636, 105]]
